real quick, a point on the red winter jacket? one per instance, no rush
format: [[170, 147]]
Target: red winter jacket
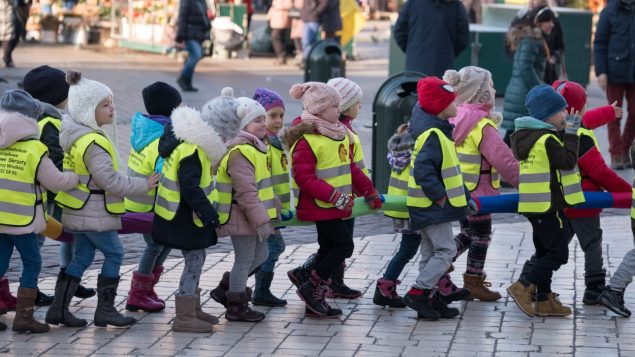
[[303, 165], [596, 175]]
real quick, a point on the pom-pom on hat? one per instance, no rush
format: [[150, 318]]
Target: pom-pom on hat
[[573, 93], [46, 84], [223, 115], [83, 97], [268, 98], [542, 102], [248, 110], [17, 100], [161, 98], [350, 92], [316, 96], [472, 85], [434, 95]]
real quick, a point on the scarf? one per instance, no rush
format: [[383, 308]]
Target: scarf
[[335, 131]]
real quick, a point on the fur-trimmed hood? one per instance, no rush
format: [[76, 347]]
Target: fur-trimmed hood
[[14, 127], [518, 33], [188, 126], [401, 142], [294, 133]]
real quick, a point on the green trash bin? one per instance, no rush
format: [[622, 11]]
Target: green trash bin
[[325, 61], [392, 107]]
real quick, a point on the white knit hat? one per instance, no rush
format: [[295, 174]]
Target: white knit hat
[[350, 92], [84, 96], [472, 84], [248, 110]]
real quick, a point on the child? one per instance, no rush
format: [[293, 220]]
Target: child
[[326, 183], [160, 100], [484, 158], [184, 216], [48, 85], [246, 205], [274, 105], [612, 296], [26, 175], [548, 183], [436, 194], [91, 210]]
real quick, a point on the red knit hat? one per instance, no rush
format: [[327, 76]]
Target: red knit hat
[[434, 95], [573, 93]]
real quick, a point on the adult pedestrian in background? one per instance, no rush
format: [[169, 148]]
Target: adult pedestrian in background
[[7, 29], [614, 55], [280, 23], [432, 33], [19, 17], [316, 13], [193, 27]]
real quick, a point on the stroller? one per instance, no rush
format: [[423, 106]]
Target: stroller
[[227, 36]]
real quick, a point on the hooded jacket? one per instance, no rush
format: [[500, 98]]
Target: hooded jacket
[[15, 127], [427, 172], [528, 131], [181, 232], [144, 130], [93, 217]]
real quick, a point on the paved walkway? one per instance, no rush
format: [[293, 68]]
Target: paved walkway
[[482, 329]]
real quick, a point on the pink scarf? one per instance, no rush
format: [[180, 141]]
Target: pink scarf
[[335, 131]]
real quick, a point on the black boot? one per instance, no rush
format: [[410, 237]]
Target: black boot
[[439, 304], [333, 313], [594, 285], [58, 312], [422, 301], [106, 314], [262, 292], [314, 293], [340, 290], [42, 299], [301, 274], [185, 84], [82, 292]]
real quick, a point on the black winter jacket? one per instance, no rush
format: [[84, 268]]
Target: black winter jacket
[[614, 44], [193, 23], [181, 232]]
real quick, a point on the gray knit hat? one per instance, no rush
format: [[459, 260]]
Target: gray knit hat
[[224, 114], [17, 100]]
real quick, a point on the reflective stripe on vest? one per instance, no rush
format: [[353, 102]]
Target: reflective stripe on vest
[[225, 189], [77, 197], [469, 153], [450, 173], [633, 202], [358, 154], [142, 164], [20, 193], [168, 197], [57, 123], [535, 179], [280, 175], [333, 164], [398, 186]]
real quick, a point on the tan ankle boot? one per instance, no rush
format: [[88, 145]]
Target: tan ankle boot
[[186, 319], [202, 315], [523, 297], [24, 321], [552, 307], [479, 288]]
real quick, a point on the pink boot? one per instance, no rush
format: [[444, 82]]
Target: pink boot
[[386, 293], [156, 274], [450, 292], [138, 298], [9, 300]]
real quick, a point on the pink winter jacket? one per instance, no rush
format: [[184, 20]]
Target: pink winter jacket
[[13, 127], [248, 213], [278, 14], [493, 149]]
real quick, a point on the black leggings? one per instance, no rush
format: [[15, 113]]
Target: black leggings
[[335, 238]]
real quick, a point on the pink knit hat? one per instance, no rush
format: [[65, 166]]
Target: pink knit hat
[[351, 92], [316, 96]]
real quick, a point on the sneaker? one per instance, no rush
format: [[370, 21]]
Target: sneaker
[[523, 297], [314, 293], [614, 301], [552, 306]]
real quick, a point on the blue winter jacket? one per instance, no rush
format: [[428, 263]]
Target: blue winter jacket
[[144, 130], [614, 44], [427, 172]]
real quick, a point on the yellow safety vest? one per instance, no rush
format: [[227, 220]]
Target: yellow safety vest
[[450, 172], [333, 164], [633, 202], [142, 164], [20, 193], [49, 120], [471, 159], [168, 197], [77, 197], [280, 175], [263, 182], [535, 178], [358, 154], [589, 133], [398, 186]]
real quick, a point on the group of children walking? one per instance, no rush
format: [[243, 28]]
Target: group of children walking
[[224, 171]]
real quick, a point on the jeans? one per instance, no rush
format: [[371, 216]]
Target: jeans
[[437, 251], [275, 244], [191, 276], [195, 53], [85, 245], [153, 255], [620, 142], [309, 37], [335, 238], [27, 246], [407, 250]]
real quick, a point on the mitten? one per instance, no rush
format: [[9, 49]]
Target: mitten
[[373, 199], [342, 201]]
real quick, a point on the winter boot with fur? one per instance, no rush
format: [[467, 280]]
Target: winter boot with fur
[[238, 308], [139, 294], [386, 294], [314, 293], [106, 314], [9, 300], [262, 291], [219, 292], [202, 315], [422, 301], [450, 292], [479, 288], [24, 321], [156, 276], [58, 312], [339, 288], [186, 319]]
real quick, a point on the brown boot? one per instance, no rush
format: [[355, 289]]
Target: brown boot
[[200, 314], [523, 297], [24, 321], [186, 319], [238, 308], [552, 307], [479, 288]]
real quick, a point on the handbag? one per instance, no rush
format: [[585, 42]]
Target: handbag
[[294, 13]]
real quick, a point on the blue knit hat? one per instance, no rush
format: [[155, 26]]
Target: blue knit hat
[[543, 101]]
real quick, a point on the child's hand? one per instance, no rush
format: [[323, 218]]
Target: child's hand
[[572, 122], [373, 199], [264, 231], [472, 207], [441, 202], [153, 180], [618, 110]]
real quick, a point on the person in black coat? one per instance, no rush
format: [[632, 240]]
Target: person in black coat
[[432, 33], [316, 13], [193, 27]]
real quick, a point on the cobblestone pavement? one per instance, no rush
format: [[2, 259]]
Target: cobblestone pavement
[[482, 329]]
